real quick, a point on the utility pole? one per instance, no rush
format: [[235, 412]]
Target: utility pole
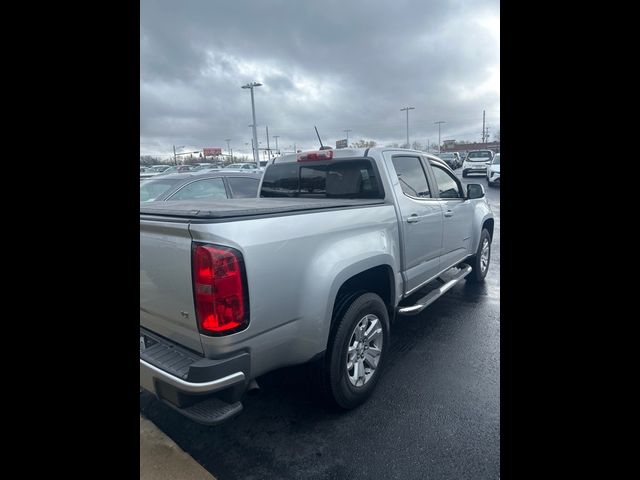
[[175, 158], [407, 110], [439, 123], [347, 132], [268, 148], [250, 86], [276, 137], [483, 130], [229, 148], [428, 145]]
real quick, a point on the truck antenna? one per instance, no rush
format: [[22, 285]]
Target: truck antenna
[[322, 147]]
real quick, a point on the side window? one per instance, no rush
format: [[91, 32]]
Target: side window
[[447, 185], [243, 187], [412, 177], [209, 189]]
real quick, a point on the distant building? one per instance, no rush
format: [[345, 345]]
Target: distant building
[[451, 146]]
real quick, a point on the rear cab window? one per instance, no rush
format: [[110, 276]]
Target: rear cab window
[[343, 178]]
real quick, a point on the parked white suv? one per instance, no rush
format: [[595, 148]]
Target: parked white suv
[[477, 162], [493, 171]]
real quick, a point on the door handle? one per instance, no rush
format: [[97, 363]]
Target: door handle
[[413, 218], [448, 213]]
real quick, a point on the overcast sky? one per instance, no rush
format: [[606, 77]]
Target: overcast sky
[[334, 64]]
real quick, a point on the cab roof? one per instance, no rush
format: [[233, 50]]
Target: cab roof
[[355, 153]]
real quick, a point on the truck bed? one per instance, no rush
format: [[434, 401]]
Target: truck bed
[[247, 207]]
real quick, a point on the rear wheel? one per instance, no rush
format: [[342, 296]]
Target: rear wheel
[[356, 352], [480, 261]]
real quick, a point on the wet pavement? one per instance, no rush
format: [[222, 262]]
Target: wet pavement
[[435, 412]]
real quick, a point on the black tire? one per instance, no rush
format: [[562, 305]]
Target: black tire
[[464, 174], [477, 274], [337, 388]]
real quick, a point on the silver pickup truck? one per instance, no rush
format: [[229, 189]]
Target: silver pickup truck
[[337, 246]]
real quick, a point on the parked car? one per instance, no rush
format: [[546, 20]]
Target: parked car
[[340, 243], [450, 158], [206, 166], [203, 167], [477, 162], [199, 186], [493, 171], [242, 167], [153, 171], [178, 169]]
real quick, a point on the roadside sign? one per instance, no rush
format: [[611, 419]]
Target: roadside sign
[[211, 151], [341, 143]]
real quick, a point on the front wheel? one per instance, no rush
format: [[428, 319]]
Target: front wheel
[[480, 261], [356, 352]]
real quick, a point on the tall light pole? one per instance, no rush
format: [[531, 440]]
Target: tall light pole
[[347, 132], [229, 148], [439, 123], [407, 109], [268, 148], [276, 137], [256, 157], [175, 156]]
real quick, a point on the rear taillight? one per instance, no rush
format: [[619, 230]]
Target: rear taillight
[[220, 289]]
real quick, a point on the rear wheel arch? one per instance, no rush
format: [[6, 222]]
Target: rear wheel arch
[[379, 280]]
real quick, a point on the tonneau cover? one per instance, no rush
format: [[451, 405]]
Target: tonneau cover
[[244, 207]]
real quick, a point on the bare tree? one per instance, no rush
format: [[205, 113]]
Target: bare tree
[[363, 144]]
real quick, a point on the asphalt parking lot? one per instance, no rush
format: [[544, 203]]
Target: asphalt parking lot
[[435, 413]]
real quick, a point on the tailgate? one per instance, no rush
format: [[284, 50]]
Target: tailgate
[[166, 294]]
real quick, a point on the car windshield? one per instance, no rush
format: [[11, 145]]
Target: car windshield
[[496, 159], [152, 189], [480, 154]]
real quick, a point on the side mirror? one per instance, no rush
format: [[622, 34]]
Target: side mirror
[[475, 190]]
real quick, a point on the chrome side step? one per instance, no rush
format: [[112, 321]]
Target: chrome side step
[[433, 295]]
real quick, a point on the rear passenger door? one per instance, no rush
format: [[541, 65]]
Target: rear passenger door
[[421, 218], [458, 216]]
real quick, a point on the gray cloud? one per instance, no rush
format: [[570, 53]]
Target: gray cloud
[[334, 64]]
